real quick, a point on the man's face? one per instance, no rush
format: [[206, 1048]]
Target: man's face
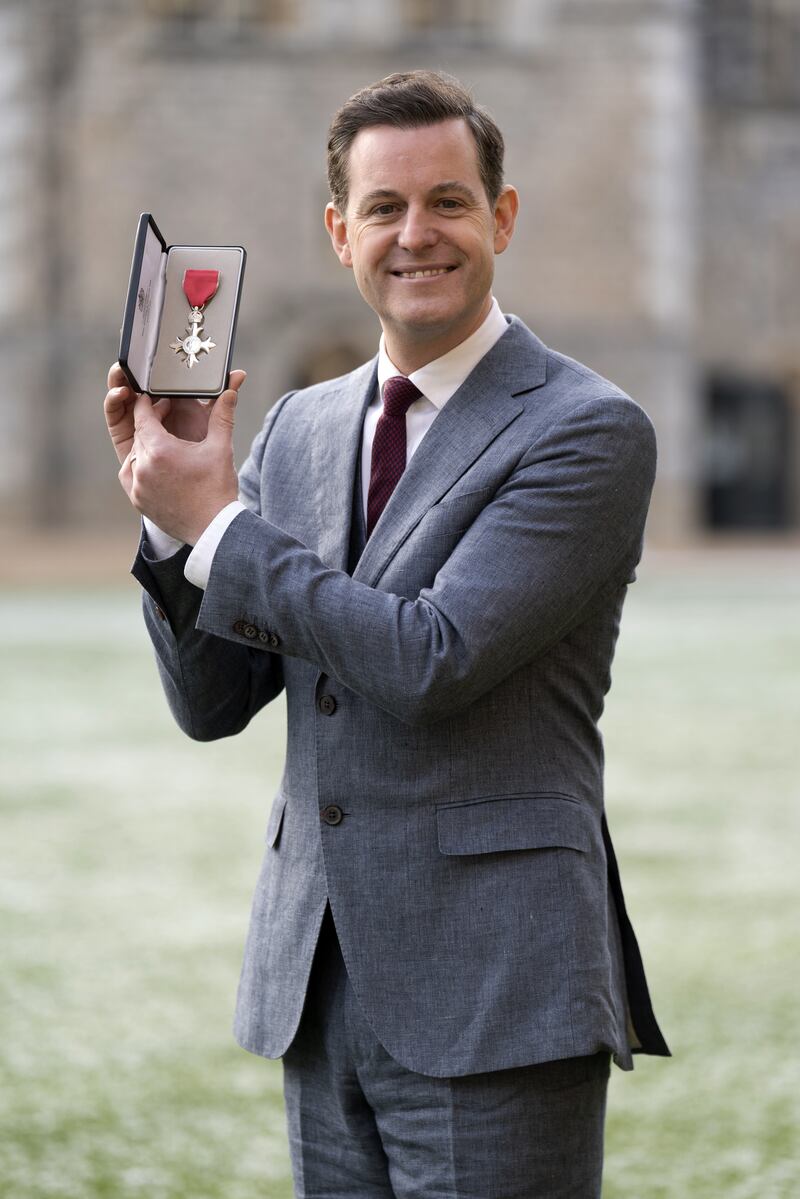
[[420, 235]]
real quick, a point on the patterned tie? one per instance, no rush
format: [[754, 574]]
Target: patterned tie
[[389, 445]]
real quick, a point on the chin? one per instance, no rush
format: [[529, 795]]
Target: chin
[[421, 331], [424, 317]]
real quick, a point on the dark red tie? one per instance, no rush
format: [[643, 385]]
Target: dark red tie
[[389, 445]]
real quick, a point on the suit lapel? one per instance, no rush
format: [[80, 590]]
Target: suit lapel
[[337, 440], [483, 406]]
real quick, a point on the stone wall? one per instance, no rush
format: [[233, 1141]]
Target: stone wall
[[218, 128]]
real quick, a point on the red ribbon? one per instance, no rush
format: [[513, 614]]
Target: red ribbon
[[200, 286]]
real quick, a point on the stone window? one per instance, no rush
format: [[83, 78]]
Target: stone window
[[326, 360], [422, 15], [748, 454], [230, 13], [752, 52]]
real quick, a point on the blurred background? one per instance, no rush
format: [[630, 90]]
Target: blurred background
[[656, 146]]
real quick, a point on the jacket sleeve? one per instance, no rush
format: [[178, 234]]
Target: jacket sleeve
[[565, 524]]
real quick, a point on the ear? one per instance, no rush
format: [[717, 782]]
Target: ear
[[505, 217], [337, 229]]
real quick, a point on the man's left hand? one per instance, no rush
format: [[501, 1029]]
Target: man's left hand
[[182, 485]]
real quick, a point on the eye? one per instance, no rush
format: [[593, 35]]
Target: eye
[[449, 203], [386, 209]]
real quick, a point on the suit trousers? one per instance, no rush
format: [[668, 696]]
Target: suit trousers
[[362, 1125]]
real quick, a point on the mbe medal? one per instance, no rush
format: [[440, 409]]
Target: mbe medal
[[199, 287], [166, 292]]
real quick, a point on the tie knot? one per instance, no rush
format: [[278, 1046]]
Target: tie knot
[[399, 394]]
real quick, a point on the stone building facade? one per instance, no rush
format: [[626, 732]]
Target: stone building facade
[[659, 238]]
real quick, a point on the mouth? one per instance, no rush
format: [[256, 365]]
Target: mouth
[[428, 272]]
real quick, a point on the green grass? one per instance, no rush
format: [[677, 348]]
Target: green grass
[[128, 854]]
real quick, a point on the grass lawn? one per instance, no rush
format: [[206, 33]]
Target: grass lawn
[[128, 854]]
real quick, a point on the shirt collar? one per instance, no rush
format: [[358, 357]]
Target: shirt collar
[[440, 379]]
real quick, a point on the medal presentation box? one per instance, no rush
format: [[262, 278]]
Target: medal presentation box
[[180, 315]]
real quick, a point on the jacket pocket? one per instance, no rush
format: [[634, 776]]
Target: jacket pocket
[[275, 822], [502, 823]]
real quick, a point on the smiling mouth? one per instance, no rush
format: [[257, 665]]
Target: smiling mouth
[[426, 273]]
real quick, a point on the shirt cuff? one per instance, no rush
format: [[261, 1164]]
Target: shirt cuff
[[198, 564], [162, 545]]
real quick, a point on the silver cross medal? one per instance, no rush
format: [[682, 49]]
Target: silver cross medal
[[193, 344], [199, 286]]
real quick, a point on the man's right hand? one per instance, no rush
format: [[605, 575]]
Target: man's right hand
[[186, 417]]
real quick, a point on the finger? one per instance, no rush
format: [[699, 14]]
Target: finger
[[236, 379], [117, 376], [125, 473], [117, 408], [116, 403]]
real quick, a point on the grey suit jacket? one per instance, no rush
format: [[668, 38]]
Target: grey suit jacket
[[443, 787]]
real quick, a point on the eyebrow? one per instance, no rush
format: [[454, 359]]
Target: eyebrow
[[380, 193], [450, 185], [454, 185]]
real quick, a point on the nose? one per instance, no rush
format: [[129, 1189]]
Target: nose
[[418, 229]]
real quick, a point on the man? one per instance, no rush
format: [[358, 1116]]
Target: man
[[438, 946]]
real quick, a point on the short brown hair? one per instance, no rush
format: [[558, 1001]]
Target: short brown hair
[[409, 100]]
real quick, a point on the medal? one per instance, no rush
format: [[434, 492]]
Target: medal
[[199, 287]]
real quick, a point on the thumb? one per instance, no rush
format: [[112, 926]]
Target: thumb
[[142, 415], [161, 409], [223, 414]]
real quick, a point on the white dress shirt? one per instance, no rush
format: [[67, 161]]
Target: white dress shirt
[[437, 380]]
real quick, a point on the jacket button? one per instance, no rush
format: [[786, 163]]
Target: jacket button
[[333, 814], [239, 627], [264, 636], [327, 705], [250, 631], [274, 641]]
